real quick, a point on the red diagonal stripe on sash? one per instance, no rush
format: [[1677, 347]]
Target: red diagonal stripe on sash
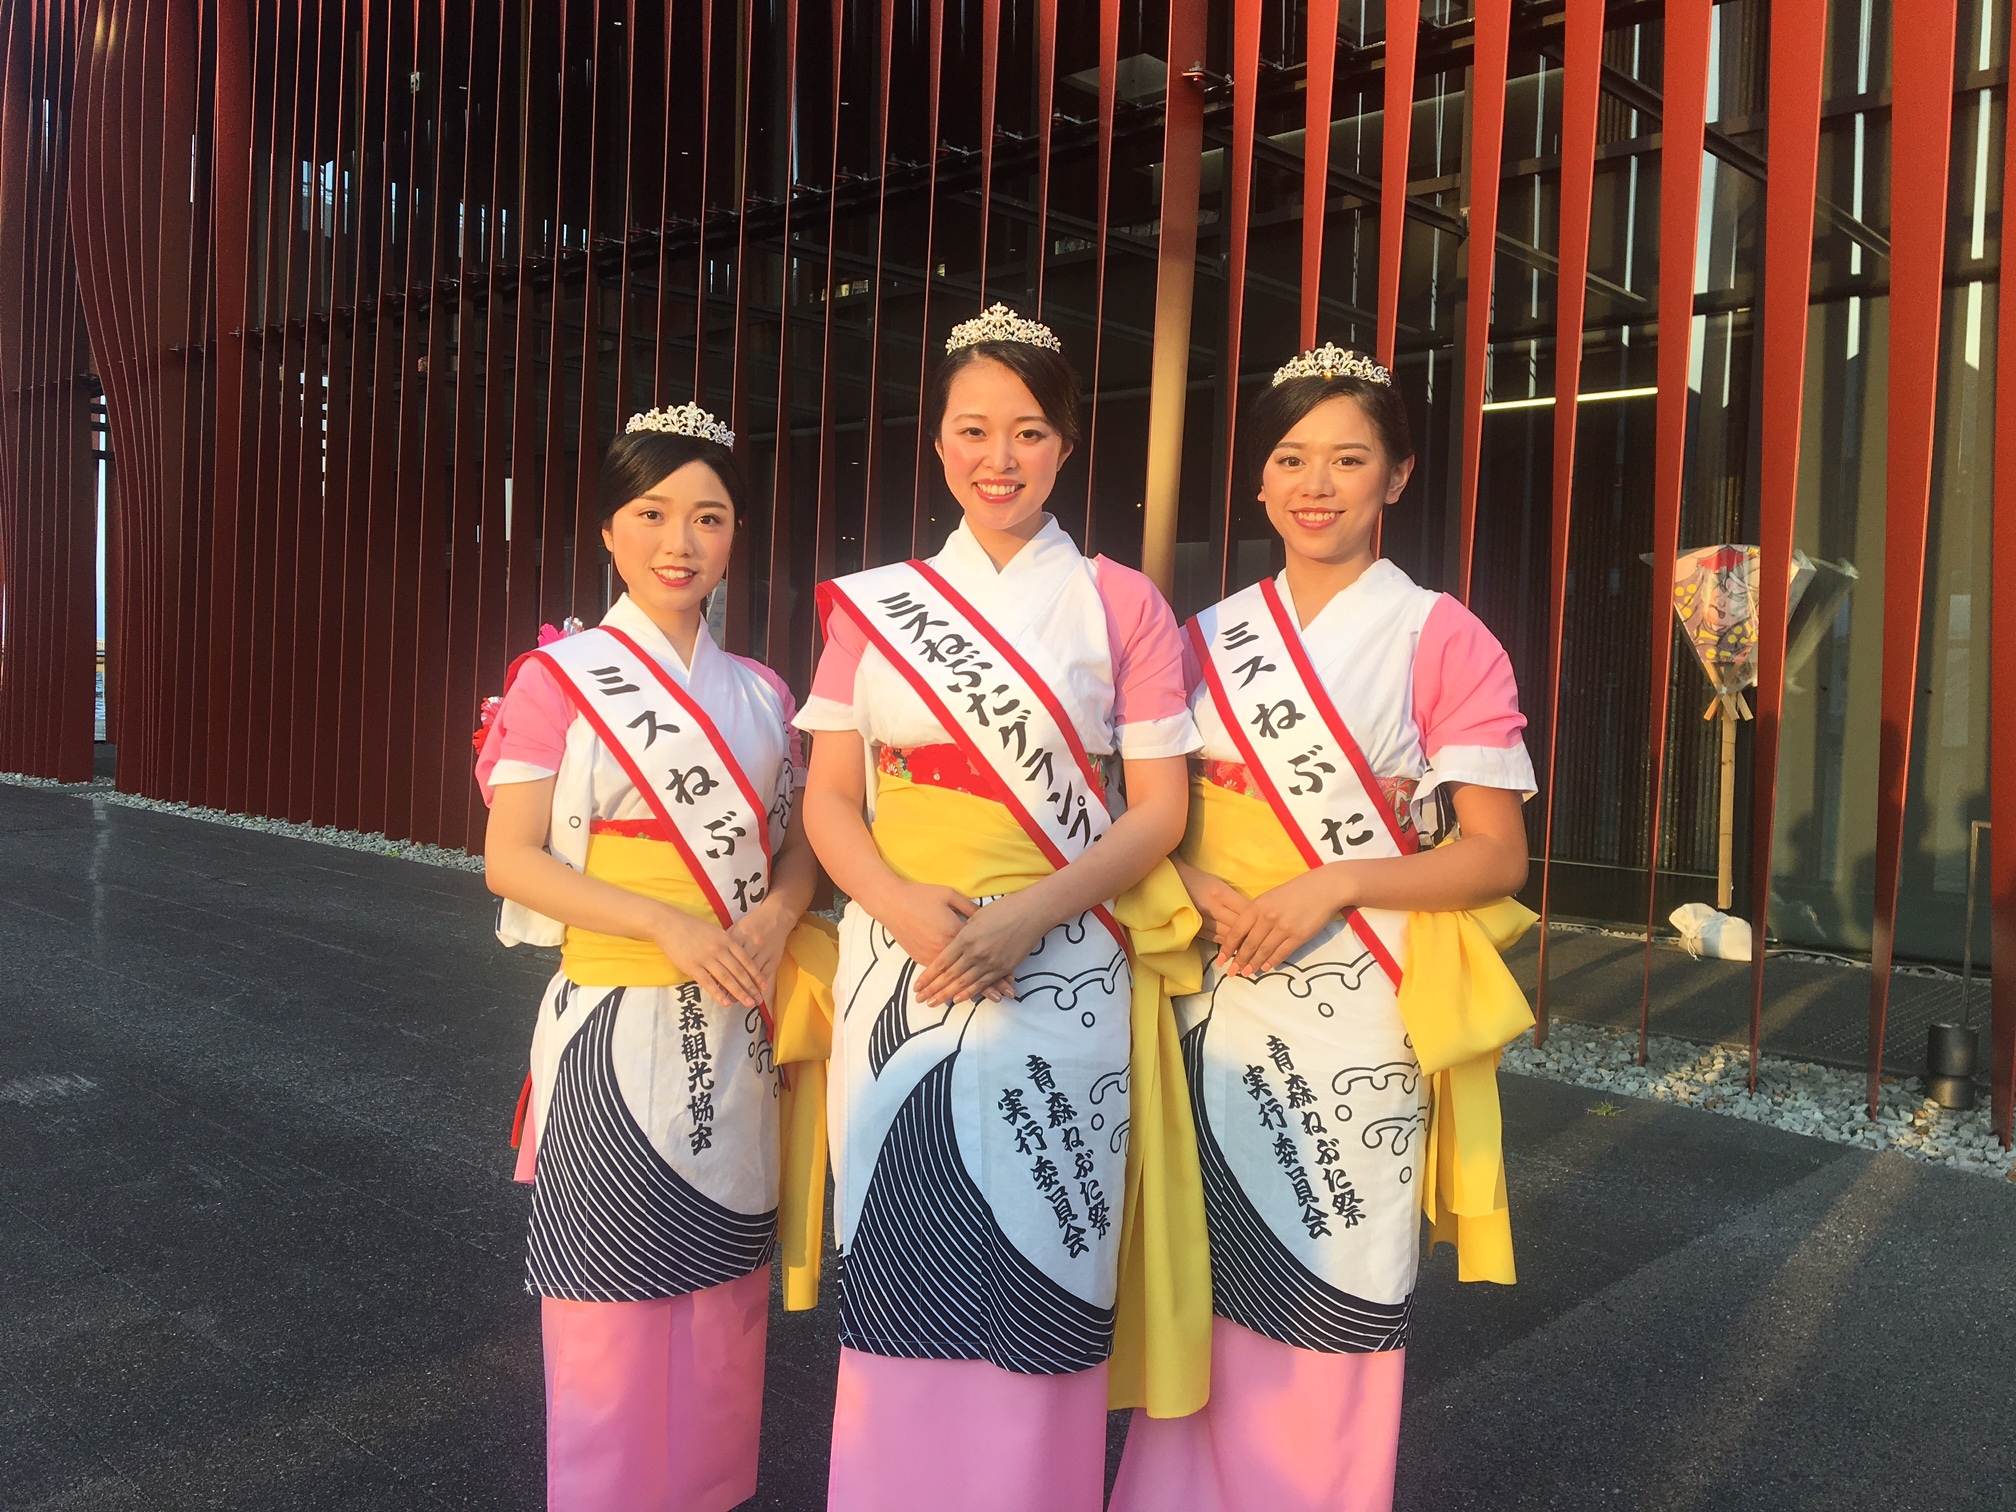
[[712, 731], [1022, 669], [1292, 638], [831, 598], [1367, 935], [642, 783], [657, 806]]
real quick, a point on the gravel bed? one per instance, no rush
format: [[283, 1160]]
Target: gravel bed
[[378, 845], [1799, 1096]]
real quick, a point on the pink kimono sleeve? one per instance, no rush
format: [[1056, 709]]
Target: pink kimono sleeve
[[528, 736], [1466, 703], [1151, 696], [830, 705]]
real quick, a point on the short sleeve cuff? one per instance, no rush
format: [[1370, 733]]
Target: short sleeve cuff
[[1150, 739], [821, 713], [517, 771], [1507, 767]]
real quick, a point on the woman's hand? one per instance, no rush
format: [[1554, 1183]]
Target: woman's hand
[[720, 963], [982, 958], [761, 933], [1281, 921], [923, 917], [1222, 905]]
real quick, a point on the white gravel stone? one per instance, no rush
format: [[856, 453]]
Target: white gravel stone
[[1824, 1102], [405, 850]]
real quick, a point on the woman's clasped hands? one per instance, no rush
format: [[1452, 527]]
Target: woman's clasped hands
[[971, 950], [1257, 934]]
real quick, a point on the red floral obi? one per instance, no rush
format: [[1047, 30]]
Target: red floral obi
[[948, 766], [632, 829], [1237, 777]]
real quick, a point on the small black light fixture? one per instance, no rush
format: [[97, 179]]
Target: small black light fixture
[[1950, 1051]]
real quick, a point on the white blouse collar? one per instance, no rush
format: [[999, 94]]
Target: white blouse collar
[[624, 615], [1048, 549], [1379, 587]]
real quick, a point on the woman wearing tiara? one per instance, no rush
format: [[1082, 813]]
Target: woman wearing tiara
[[640, 782], [974, 714], [1345, 714]]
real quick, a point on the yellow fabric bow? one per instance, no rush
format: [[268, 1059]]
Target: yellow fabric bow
[[1162, 1324], [802, 1020], [1460, 1005]]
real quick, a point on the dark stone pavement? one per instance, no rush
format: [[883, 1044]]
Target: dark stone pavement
[[259, 1247]]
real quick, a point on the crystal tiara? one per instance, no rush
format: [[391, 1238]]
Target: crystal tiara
[[1332, 361], [1000, 323], [686, 420]]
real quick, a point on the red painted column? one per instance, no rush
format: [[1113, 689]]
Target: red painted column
[[1403, 25], [920, 489], [1682, 130], [1921, 127], [231, 183], [1581, 76], [1109, 63], [741, 569], [871, 462], [1487, 151], [990, 63], [781, 645], [1046, 114], [2002, 693], [1316, 156], [1237, 216], [1798, 49], [826, 528]]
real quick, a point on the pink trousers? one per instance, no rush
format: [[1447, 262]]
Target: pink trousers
[[965, 1436], [656, 1406], [1286, 1430]]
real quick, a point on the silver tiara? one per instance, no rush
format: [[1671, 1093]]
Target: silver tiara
[[1332, 361], [686, 420], [1000, 323]]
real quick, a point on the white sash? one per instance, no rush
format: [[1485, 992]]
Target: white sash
[[1312, 773], [989, 700], [677, 759]]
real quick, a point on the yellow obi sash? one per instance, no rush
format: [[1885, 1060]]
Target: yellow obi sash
[[1460, 1006], [1162, 1324], [803, 1036]]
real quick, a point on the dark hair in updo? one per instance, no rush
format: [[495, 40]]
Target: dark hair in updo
[[1280, 409], [1048, 375], [638, 461]]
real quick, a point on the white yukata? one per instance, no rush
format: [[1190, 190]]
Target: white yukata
[[652, 1141], [979, 1150], [1309, 1104]]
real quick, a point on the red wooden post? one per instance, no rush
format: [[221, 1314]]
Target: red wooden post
[[1682, 128], [1921, 125]]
